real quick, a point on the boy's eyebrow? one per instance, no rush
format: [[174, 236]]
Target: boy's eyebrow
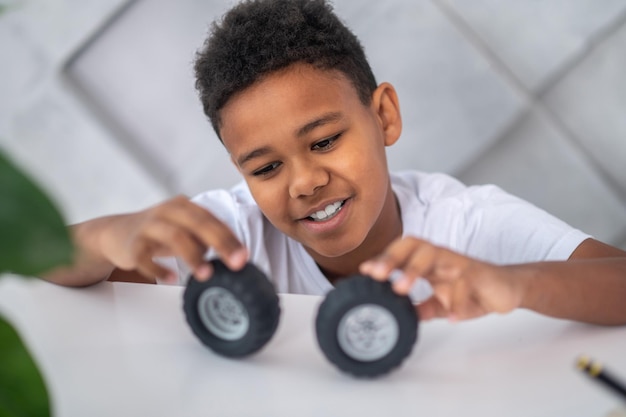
[[254, 154], [324, 119], [308, 127]]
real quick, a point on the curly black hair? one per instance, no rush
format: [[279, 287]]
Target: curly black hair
[[258, 37]]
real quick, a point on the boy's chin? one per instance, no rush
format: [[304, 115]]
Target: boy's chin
[[331, 249]]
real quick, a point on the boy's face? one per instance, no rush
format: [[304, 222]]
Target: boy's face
[[313, 156]]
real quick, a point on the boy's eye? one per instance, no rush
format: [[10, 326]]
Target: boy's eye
[[266, 170], [325, 144]]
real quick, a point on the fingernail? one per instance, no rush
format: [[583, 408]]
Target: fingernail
[[378, 270], [402, 286], [237, 259], [366, 267], [203, 272]]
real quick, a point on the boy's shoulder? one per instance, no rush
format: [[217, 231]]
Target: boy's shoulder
[[437, 187], [427, 186]]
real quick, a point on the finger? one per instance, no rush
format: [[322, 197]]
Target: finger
[[459, 302], [178, 243], [381, 266], [209, 230], [394, 257], [443, 294], [419, 264], [204, 272], [449, 267], [142, 252], [464, 305], [378, 268]]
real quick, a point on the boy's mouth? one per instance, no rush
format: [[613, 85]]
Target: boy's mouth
[[327, 213]]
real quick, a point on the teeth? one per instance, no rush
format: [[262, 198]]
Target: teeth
[[328, 211]]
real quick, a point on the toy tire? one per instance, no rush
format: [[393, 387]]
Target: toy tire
[[233, 313], [364, 328]]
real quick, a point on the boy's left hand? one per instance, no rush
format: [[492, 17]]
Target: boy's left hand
[[463, 287]]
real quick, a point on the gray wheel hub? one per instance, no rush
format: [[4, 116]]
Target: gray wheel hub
[[223, 314], [367, 332]]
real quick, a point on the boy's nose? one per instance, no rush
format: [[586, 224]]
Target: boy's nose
[[306, 178]]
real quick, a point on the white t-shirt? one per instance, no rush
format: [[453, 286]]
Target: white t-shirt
[[483, 222]]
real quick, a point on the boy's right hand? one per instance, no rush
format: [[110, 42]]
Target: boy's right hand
[[176, 227]]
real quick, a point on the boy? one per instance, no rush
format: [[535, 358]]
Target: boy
[[290, 94]]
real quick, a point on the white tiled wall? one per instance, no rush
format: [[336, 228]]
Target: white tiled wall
[[46, 128], [530, 95]]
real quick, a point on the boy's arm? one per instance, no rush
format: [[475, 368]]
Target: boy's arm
[[89, 265], [128, 244], [589, 287]]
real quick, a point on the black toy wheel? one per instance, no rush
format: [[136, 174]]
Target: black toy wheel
[[233, 313], [364, 328]]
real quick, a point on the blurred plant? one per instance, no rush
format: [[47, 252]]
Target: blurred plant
[[33, 239], [6, 5]]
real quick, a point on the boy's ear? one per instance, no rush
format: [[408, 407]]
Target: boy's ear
[[386, 106]]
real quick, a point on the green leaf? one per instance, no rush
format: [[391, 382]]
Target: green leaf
[[33, 235], [22, 389]]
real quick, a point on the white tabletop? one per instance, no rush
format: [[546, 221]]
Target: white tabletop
[[119, 349]]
